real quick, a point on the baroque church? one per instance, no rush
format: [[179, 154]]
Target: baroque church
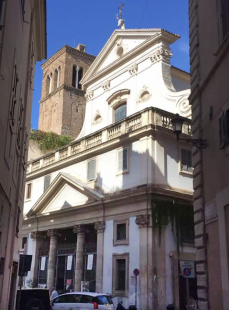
[[119, 197]]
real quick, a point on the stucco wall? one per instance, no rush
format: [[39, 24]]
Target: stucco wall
[[150, 162], [110, 249]]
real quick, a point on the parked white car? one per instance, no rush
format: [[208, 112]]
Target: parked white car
[[83, 301]]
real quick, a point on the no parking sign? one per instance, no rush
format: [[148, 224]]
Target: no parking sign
[[187, 269]]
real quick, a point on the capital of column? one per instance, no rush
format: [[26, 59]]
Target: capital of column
[[142, 220], [100, 226], [53, 233], [78, 229], [37, 235]]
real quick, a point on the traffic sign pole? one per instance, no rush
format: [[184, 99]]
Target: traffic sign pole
[[136, 273], [136, 290]]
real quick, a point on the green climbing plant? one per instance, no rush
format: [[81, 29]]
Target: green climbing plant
[[49, 141], [180, 216]]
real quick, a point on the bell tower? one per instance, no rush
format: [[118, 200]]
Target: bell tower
[[62, 104]]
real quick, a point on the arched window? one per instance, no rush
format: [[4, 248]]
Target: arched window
[[77, 74], [74, 76], [58, 78], [50, 83], [80, 75], [120, 112]]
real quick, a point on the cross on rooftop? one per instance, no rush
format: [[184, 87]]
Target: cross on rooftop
[[120, 10]]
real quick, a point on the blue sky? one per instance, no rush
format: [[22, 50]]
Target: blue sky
[[91, 22]]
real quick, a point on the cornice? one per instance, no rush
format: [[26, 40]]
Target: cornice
[[68, 49], [181, 74], [40, 29], [111, 201], [76, 91], [160, 33]]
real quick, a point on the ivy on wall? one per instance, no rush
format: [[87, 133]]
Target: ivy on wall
[[181, 217], [48, 141]]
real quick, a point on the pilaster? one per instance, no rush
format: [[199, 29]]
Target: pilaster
[[199, 212], [99, 227], [37, 237], [142, 221]]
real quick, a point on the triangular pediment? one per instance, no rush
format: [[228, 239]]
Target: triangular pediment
[[64, 192], [123, 44]]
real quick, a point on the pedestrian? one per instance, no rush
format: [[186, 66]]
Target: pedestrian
[[170, 307], [53, 293]]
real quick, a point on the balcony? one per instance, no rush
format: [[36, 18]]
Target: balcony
[[145, 120]]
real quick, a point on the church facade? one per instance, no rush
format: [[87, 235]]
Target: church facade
[[119, 198]]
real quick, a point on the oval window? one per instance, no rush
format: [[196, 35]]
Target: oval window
[[120, 51]]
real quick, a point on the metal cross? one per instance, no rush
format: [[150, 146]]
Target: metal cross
[[120, 10]]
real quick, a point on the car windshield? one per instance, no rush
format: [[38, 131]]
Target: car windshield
[[104, 300]]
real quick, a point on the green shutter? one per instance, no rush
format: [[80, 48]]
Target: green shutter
[[46, 182], [120, 156], [91, 169], [124, 162]]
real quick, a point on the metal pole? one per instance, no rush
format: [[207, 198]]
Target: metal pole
[[187, 289], [136, 290], [19, 293]]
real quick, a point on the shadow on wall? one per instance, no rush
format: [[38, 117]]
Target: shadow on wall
[[143, 170]]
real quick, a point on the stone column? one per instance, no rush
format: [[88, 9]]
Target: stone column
[[53, 235], [142, 222], [37, 237], [99, 227], [78, 229]]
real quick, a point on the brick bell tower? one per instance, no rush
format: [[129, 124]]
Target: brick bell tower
[[62, 104]]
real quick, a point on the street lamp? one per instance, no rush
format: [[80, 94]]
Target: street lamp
[[177, 123]]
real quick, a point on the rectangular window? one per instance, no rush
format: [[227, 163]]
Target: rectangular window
[[123, 160], [47, 179], [121, 232], [225, 17], [120, 274], [186, 160], [91, 169], [24, 242], [224, 129], [28, 191]]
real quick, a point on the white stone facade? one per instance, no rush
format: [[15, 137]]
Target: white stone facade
[[138, 75]]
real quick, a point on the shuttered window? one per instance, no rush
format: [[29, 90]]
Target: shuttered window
[[47, 179], [122, 160], [186, 160], [224, 129], [91, 169], [225, 16]]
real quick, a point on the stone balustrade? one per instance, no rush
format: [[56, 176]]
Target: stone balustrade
[[138, 121]]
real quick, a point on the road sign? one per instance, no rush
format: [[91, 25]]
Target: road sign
[[136, 272], [187, 269]]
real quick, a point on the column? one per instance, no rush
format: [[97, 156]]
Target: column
[[37, 237], [99, 227], [78, 229], [142, 222], [77, 76], [53, 235]]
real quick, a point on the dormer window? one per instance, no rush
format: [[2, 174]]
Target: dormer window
[[120, 112]]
